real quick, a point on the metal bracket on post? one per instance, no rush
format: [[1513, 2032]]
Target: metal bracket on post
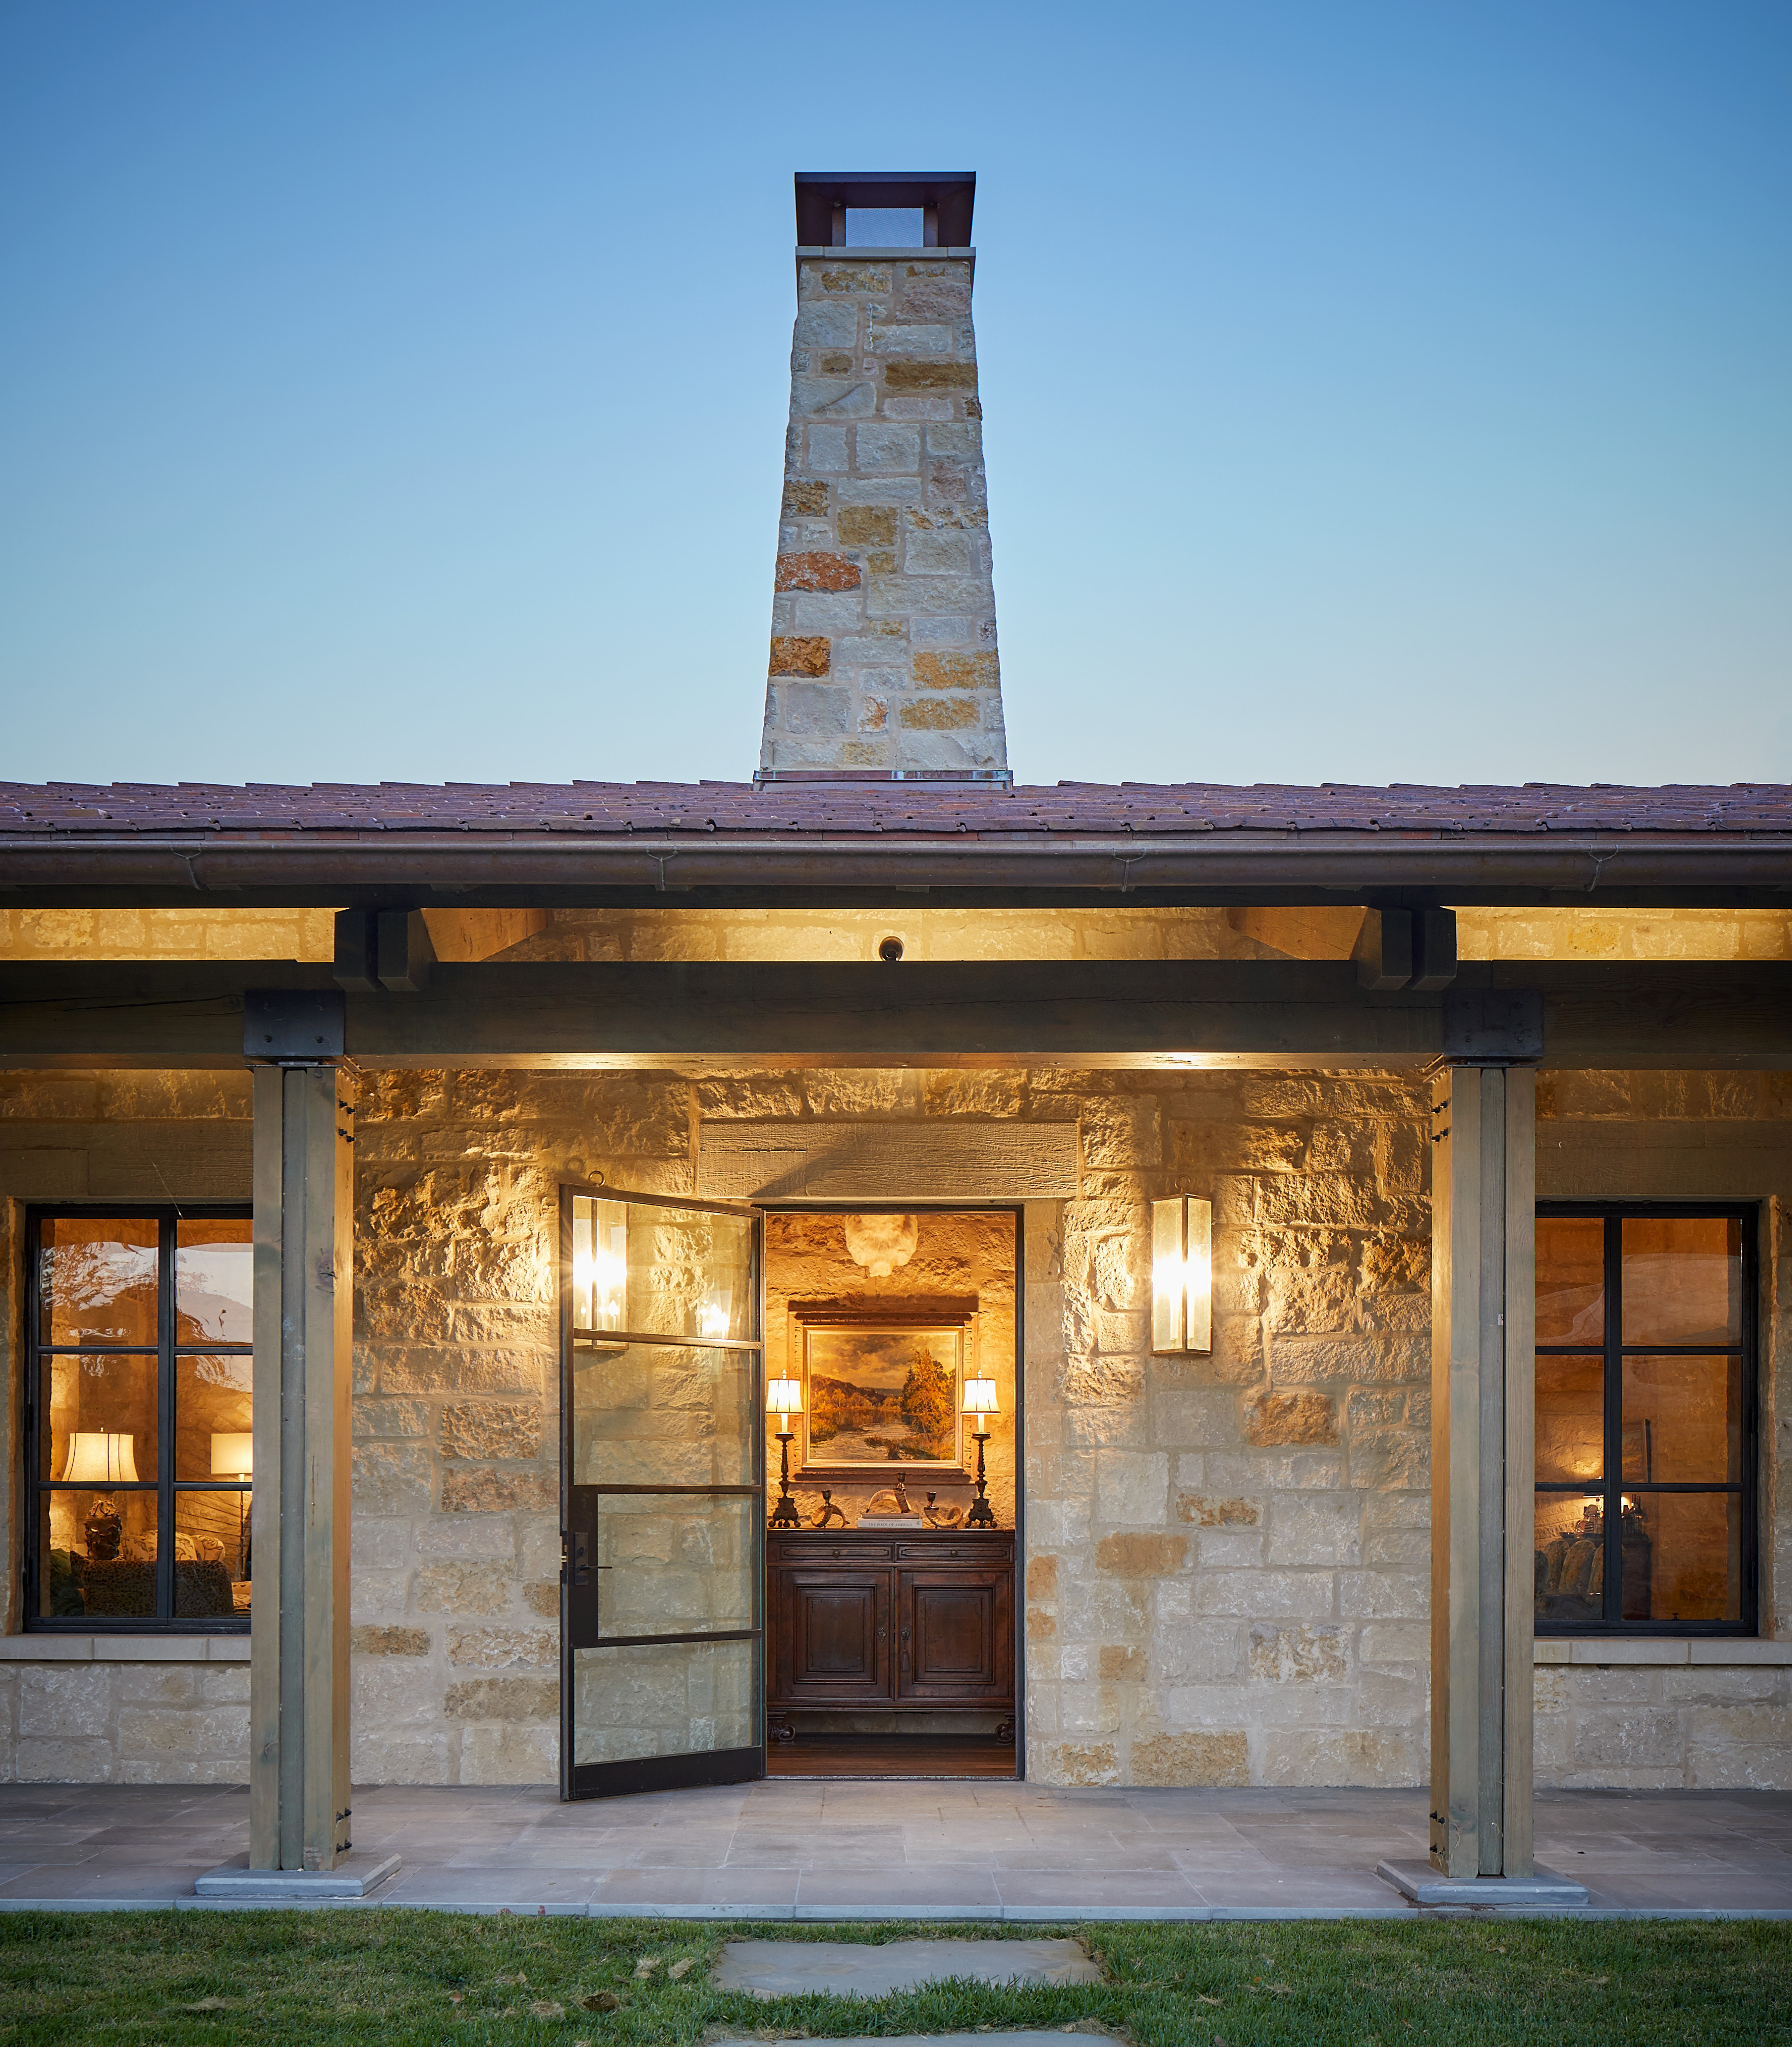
[[1492, 1026], [294, 1027]]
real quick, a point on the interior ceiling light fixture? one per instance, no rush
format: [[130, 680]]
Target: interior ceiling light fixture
[[881, 1243]]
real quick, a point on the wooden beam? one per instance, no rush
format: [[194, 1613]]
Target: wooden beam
[[1385, 950], [405, 954], [1483, 1288], [299, 1624], [1305, 932], [1121, 1013], [477, 934]]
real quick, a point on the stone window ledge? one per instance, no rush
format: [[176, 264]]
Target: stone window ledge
[[124, 1648], [1703, 1651]]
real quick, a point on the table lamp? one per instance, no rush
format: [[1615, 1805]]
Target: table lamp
[[783, 1398], [233, 1456], [98, 1458], [981, 1399]]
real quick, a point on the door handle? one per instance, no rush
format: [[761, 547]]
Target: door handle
[[580, 1556]]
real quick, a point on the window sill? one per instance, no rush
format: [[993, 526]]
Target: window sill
[[48, 1648], [1701, 1650]]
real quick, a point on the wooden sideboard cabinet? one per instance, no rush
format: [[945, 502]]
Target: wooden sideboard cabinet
[[879, 1622]]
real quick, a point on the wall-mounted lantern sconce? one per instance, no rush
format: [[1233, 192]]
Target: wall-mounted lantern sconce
[[600, 1265], [783, 1398], [1182, 1274]]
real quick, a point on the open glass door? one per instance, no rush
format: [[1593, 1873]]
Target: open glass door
[[663, 1487]]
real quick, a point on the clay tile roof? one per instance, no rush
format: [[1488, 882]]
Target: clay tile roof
[[262, 808]]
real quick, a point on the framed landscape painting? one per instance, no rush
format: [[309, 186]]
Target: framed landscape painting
[[882, 1396]]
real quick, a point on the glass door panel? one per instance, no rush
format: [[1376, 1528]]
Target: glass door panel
[[663, 1483], [663, 1414]]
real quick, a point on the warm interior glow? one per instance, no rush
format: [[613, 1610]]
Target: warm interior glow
[[233, 1454], [783, 1398], [716, 1316], [980, 1398], [97, 1459]]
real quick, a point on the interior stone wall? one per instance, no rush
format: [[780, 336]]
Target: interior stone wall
[[958, 1254], [1113, 933]]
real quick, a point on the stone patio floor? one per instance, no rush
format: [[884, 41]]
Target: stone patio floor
[[853, 1850]]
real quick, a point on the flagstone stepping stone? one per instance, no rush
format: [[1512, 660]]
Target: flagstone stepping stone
[[1031, 2039], [846, 1968]]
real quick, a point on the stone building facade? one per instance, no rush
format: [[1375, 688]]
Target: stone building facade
[[1227, 1556], [1372, 1028], [883, 613]]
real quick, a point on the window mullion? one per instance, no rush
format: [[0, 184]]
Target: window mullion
[[165, 1376], [1612, 1476]]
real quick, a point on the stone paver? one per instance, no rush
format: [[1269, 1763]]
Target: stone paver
[[982, 1850], [1031, 2038], [787, 1969]]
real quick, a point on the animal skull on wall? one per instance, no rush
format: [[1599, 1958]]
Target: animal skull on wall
[[881, 1243]]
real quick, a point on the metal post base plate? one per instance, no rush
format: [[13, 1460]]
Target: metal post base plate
[[354, 1876], [1427, 1885]]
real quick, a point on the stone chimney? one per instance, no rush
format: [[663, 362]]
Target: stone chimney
[[884, 658]]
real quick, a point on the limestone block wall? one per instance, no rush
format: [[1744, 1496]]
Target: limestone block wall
[[155, 1710], [1227, 1556], [883, 616], [456, 1556], [1653, 1714]]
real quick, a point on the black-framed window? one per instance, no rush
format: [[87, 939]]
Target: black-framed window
[[1646, 1419], [138, 1417]]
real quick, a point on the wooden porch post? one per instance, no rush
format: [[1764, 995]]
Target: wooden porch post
[[1483, 1459], [299, 1626]]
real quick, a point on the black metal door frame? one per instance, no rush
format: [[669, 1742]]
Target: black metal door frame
[[581, 1597]]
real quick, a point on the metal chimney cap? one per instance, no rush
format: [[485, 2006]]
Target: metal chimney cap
[[950, 194]]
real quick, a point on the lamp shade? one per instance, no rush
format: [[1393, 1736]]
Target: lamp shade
[[981, 1397], [784, 1396], [95, 1458], [233, 1455]]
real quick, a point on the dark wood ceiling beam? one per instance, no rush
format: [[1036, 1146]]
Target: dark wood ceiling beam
[[1149, 1013]]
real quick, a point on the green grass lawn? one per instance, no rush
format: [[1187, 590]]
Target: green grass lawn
[[401, 1976]]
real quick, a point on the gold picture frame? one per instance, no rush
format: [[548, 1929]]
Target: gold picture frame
[[882, 1389]]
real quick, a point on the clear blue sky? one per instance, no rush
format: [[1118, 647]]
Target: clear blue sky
[[1374, 391]]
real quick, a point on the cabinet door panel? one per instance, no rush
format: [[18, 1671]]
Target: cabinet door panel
[[957, 1640], [838, 1635]]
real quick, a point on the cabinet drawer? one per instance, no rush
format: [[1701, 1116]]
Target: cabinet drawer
[[846, 1550], [990, 1556]]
